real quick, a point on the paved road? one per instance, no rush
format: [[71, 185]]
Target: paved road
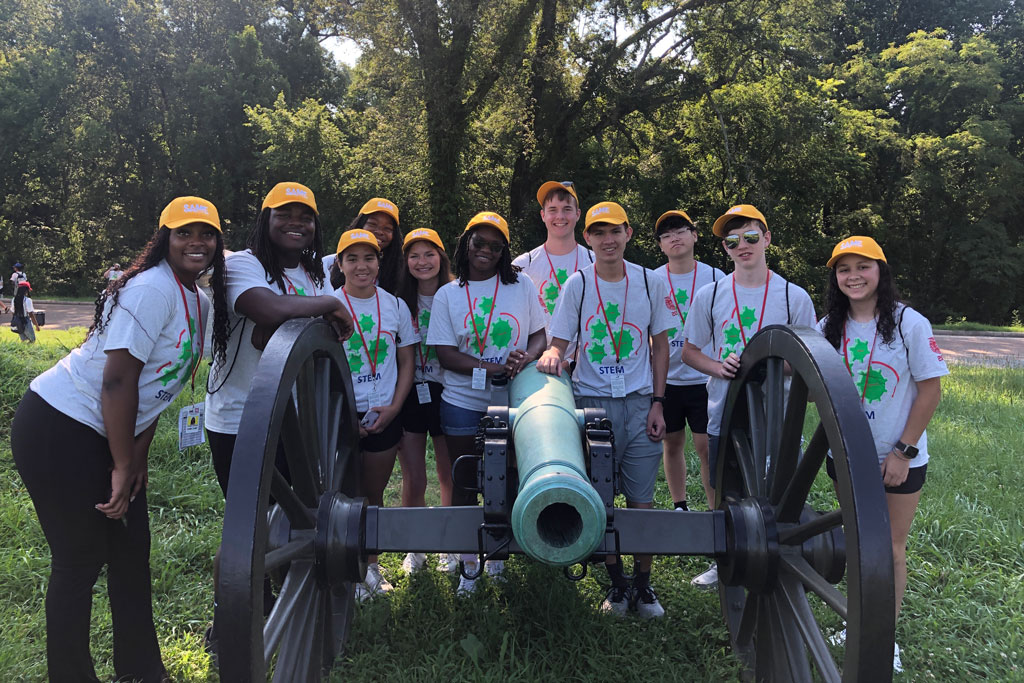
[[956, 349]]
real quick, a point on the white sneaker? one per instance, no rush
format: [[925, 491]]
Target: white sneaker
[[448, 563], [708, 581], [838, 639], [495, 569], [374, 585], [467, 586], [413, 562], [897, 665], [616, 601], [646, 604]]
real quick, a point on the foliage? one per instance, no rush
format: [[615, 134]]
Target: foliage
[[902, 121]]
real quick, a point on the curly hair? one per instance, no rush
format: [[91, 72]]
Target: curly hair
[[410, 286], [265, 252], [152, 254], [837, 307], [506, 271]]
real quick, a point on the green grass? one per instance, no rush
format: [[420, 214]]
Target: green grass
[[965, 326], [961, 620]]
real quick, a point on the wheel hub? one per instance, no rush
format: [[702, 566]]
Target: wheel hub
[[752, 546], [340, 539]]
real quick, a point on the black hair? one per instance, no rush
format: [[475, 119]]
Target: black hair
[[392, 262], [409, 292], [742, 222], [837, 306], [152, 254], [506, 271], [673, 223], [263, 249]]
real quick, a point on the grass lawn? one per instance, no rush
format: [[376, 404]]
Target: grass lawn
[[962, 617]]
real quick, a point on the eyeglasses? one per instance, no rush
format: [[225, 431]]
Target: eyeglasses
[[481, 244], [750, 237], [675, 232]]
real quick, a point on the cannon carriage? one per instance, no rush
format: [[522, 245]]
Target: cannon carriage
[[294, 519]]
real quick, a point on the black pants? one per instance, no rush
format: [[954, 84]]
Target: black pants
[[66, 468]]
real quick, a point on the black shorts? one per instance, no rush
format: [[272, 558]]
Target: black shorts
[[423, 418], [914, 482], [686, 404], [391, 435]]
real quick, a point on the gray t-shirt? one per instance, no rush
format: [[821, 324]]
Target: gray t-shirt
[[888, 388], [627, 316], [680, 291], [739, 313]]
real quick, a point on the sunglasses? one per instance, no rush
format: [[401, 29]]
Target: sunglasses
[[750, 237], [566, 183], [481, 244]]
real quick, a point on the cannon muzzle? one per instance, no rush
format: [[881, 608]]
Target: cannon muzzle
[[558, 518]]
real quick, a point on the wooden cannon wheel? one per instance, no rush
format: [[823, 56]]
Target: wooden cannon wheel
[[785, 558], [301, 398]]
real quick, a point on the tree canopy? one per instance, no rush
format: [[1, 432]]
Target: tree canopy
[[903, 121]]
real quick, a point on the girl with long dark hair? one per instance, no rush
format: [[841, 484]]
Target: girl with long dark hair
[[82, 432], [896, 366], [378, 216], [486, 323], [428, 270]]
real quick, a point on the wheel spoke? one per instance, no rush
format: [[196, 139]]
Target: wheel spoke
[[783, 467], [792, 592], [323, 411], [812, 580], [296, 441], [774, 392], [330, 454], [788, 654], [748, 620], [791, 503], [758, 432], [291, 608], [298, 548], [819, 525], [753, 479], [299, 516]]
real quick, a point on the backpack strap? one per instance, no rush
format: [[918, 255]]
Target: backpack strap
[[789, 316], [903, 340]]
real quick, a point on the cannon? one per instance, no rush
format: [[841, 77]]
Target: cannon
[[546, 477]]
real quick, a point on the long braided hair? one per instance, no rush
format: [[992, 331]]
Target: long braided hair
[[838, 306], [152, 254], [506, 271], [263, 249]]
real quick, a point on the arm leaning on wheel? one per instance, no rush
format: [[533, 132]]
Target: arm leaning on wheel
[[268, 310]]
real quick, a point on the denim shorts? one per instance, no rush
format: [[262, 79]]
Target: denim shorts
[[456, 421]]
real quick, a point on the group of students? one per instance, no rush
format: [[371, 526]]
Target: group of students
[[424, 337]]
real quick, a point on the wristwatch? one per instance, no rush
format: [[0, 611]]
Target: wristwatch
[[908, 452], [657, 399]]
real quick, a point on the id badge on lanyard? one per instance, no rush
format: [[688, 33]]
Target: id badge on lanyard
[[423, 393], [479, 379], [190, 426], [374, 398], [619, 384]]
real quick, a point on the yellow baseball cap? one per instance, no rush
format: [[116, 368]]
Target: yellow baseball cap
[[668, 214], [353, 237], [423, 234], [288, 193], [184, 210], [564, 185], [860, 245], [738, 211], [489, 218], [605, 212], [379, 204]]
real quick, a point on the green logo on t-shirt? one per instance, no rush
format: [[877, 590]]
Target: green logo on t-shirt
[[184, 358], [378, 348], [599, 335]]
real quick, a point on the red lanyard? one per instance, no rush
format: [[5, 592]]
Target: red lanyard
[[763, 302], [359, 328], [472, 318], [867, 373], [423, 356], [312, 287], [193, 360], [689, 299], [552, 265], [622, 324]]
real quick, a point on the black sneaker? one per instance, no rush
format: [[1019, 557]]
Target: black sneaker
[[646, 604], [617, 600]]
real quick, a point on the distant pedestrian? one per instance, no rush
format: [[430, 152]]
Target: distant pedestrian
[[27, 322], [113, 272], [18, 278]]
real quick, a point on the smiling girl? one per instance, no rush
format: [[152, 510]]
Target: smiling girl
[[380, 357], [82, 432], [428, 270], [486, 323], [896, 365]]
